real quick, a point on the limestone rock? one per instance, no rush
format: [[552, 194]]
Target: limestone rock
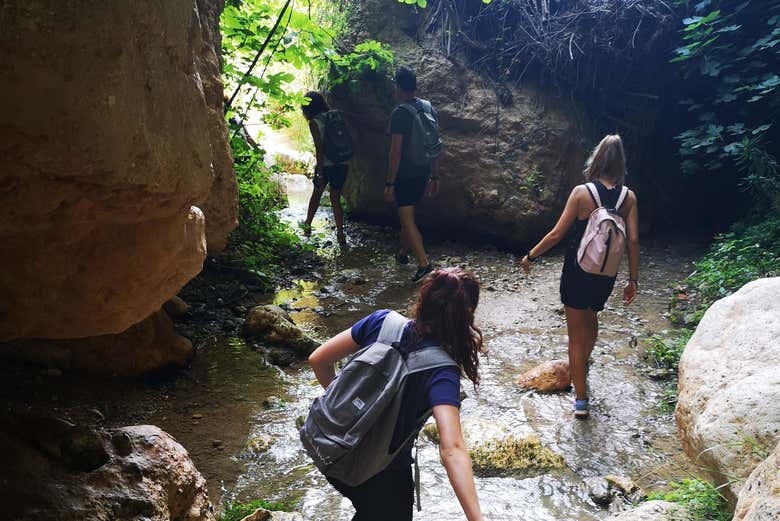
[[759, 499], [147, 347], [655, 511], [729, 385], [104, 173], [506, 169], [146, 475], [273, 325], [475, 431], [176, 307], [548, 377]]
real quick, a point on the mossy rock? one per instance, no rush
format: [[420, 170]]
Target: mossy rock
[[514, 456], [431, 432]]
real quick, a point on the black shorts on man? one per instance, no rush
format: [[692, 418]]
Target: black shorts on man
[[411, 179]]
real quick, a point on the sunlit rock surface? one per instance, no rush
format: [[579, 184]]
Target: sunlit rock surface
[[511, 154], [63, 472], [759, 499], [547, 377], [728, 410], [112, 137]]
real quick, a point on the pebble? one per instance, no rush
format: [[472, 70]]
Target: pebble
[[197, 416], [216, 443]]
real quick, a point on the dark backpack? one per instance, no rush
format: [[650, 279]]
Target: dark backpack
[[349, 429], [424, 139], [337, 141]]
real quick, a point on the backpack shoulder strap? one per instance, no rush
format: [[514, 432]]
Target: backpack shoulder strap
[[622, 197], [392, 328], [594, 194], [428, 358]]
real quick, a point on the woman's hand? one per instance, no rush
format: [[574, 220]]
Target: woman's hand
[[629, 292], [526, 264], [389, 194]]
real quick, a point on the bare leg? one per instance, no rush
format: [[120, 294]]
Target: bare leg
[[582, 337], [314, 203], [338, 211], [410, 234]]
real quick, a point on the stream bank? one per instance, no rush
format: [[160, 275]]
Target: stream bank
[[236, 414]]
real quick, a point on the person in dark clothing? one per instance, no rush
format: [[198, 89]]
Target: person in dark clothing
[[325, 172], [443, 316], [584, 294], [408, 182]]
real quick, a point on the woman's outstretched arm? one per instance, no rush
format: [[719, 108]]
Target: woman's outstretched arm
[[560, 229], [456, 460], [324, 358]]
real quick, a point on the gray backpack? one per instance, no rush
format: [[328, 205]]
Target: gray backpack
[[424, 140], [349, 428]]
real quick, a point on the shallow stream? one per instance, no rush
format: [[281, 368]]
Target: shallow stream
[[216, 409]]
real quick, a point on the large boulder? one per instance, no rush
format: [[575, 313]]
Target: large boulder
[[147, 347], [655, 511], [111, 135], [729, 384], [56, 470], [759, 499], [511, 153]]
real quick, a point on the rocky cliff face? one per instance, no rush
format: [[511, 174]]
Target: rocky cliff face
[[113, 141], [512, 153]]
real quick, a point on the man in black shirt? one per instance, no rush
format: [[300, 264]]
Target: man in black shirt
[[407, 181]]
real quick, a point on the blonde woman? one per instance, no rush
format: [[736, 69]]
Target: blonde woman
[[584, 294]]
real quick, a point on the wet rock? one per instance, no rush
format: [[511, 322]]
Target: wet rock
[[273, 402], [146, 475], [513, 456], [257, 444], [759, 499], [281, 357], [622, 484], [599, 491], [176, 307], [655, 511], [729, 385], [548, 377], [272, 324], [217, 443], [262, 514]]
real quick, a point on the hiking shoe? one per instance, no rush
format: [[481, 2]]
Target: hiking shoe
[[401, 258], [422, 272], [581, 409]]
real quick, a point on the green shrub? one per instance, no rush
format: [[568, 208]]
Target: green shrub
[[369, 60], [238, 512], [700, 497], [666, 350], [261, 238], [751, 250]]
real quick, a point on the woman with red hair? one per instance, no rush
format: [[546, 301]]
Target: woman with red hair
[[442, 316]]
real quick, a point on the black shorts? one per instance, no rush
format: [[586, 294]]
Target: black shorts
[[582, 290], [410, 190], [388, 496], [335, 175]]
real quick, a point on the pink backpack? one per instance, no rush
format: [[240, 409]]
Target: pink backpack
[[604, 241]]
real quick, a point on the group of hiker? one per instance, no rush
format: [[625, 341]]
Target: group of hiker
[[401, 371]]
